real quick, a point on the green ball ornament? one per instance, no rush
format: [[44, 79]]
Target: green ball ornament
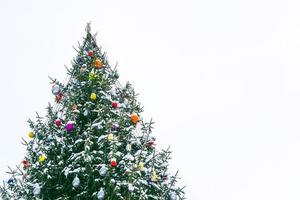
[[92, 76]]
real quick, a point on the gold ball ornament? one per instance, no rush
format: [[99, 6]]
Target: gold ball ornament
[[154, 177], [42, 158], [134, 118], [98, 63], [110, 137], [93, 96], [141, 166], [31, 134], [74, 107]]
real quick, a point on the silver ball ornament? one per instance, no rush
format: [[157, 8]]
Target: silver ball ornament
[[103, 170], [37, 190], [55, 89], [173, 196], [101, 194], [130, 187], [85, 113], [76, 182]]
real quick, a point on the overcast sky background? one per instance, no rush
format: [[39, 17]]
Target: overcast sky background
[[220, 78]]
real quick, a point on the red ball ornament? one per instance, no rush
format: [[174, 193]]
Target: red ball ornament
[[90, 53], [114, 104], [57, 122], [113, 163]]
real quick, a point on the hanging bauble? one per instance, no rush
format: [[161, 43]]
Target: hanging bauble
[[115, 127], [141, 166], [25, 163], [76, 182], [86, 112], [82, 68], [98, 63], [134, 118], [114, 104], [110, 137], [93, 96], [36, 190], [74, 107], [42, 158], [101, 194], [154, 177], [92, 76], [125, 102], [130, 187], [128, 147], [90, 53], [11, 182], [150, 144], [116, 75], [103, 170], [164, 177], [79, 60], [173, 196], [31, 134], [49, 139], [127, 171], [57, 122], [55, 89], [58, 97], [69, 126], [113, 162]]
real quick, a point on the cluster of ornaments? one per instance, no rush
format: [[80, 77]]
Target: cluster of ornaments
[[70, 126]]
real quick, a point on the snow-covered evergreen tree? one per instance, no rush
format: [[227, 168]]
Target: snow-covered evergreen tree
[[93, 143]]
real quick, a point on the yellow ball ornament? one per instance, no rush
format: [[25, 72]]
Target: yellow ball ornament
[[154, 177], [110, 137], [31, 134], [93, 96], [141, 166], [98, 64], [42, 158]]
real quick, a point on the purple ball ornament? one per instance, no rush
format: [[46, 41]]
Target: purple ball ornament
[[69, 126], [165, 177], [115, 127]]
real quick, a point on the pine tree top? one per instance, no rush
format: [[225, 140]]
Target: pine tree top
[[93, 142]]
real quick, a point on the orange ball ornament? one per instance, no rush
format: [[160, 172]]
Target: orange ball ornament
[[134, 118], [98, 64]]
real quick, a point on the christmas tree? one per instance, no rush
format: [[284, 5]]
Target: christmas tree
[[92, 143]]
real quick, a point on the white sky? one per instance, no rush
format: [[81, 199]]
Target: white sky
[[220, 78]]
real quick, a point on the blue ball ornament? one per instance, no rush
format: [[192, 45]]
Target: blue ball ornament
[[11, 182], [49, 139]]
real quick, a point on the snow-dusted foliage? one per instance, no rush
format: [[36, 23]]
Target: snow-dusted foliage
[[93, 143]]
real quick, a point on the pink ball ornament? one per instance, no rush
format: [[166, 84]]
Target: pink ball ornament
[[57, 122], [69, 127]]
